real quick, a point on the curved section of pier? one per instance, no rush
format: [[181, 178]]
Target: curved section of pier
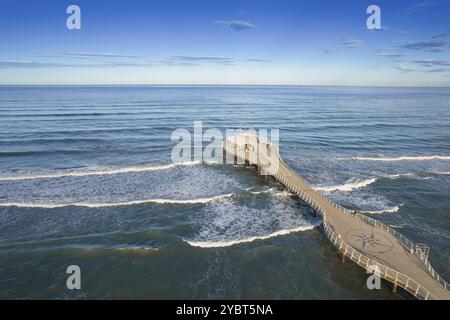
[[369, 243]]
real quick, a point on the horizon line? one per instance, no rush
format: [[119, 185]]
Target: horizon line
[[222, 85]]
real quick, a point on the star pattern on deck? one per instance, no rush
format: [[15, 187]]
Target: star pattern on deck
[[368, 240]]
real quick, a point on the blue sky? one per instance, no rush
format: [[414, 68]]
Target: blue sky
[[292, 42]]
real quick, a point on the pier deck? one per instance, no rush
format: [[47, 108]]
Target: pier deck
[[365, 241]]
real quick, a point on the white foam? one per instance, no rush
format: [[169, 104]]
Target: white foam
[[135, 248], [397, 226], [97, 172], [260, 192], [442, 172], [410, 175], [398, 175], [117, 204], [348, 186], [354, 184], [128, 203], [387, 210], [404, 158], [229, 243], [88, 248]]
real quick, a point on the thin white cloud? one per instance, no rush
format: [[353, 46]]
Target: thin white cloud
[[98, 55], [437, 43], [258, 60], [327, 50], [110, 60], [14, 64], [350, 42], [421, 6], [404, 68], [194, 60], [433, 63], [236, 25], [424, 65], [390, 54]]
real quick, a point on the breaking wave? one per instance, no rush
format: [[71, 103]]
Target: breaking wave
[[354, 184], [98, 172], [117, 204], [442, 173], [387, 210], [132, 203], [348, 186], [229, 243], [404, 158]]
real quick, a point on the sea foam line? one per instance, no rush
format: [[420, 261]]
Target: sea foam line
[[229, 243], [348, 186], [129, 203], [124, 249], [99, 172], [387, 210], [442, 172], [117, 204], [354, 184], [403, 158]]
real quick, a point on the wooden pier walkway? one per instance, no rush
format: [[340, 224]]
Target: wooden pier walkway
[[365, 241]]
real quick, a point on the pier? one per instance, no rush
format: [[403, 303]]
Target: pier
[[365, 241]]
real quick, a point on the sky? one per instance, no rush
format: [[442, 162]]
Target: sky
[[246, 42]]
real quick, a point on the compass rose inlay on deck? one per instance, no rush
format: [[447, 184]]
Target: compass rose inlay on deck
[[368, 241]]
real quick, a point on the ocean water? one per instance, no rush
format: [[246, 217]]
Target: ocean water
[[86, 179]]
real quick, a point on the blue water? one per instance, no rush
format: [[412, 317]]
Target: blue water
[[86, 178]]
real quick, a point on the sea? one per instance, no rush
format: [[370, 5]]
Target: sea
[[87, 179]]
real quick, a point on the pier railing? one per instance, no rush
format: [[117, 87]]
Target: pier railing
[[411, 246], [284, 173], [381, 270], [362, 260], [405, 242]]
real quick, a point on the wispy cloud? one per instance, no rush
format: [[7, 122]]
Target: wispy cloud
[[327, 50], [194, 60], [421, 6], [4, 64], [403, 68], [439, 70], [89, 55], [258, 60], [110, 60], [402, 33], [10, 64], [391, 55], [433, 63], [236, 25], [425, 65], [437, 43], [350, 42]]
